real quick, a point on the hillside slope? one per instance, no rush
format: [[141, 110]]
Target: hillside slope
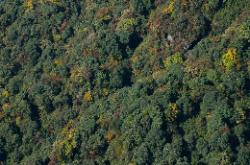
[[125, 82]]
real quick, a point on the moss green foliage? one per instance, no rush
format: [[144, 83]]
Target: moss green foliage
[[172, 60], [125, 24], [124, 82], [64, 147]]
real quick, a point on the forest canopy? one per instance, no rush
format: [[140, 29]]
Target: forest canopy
[[125, 82]]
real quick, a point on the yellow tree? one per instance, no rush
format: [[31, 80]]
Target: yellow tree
[[88, 97], [170, 8], [173, 111], [28, 4], [230, 59]]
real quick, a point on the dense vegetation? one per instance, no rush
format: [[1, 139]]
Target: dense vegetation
[[125, 82]]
